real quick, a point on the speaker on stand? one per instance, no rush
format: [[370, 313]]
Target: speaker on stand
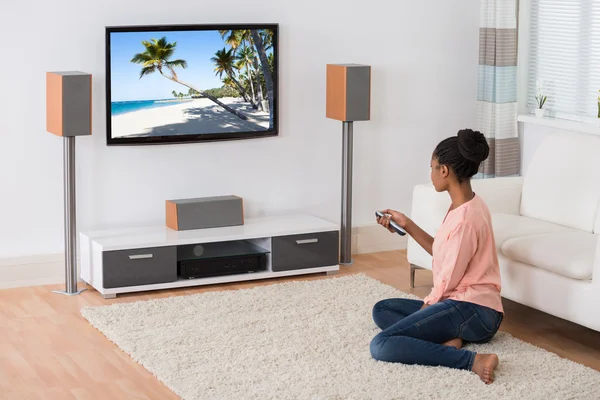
[[348, 100], [68, 115]]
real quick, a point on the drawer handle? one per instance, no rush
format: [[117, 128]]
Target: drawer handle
[[140, 256], [307, 241]]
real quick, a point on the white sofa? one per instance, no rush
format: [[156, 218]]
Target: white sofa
[[546, 227]]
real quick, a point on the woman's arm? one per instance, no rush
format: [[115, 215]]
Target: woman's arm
[[419, 235], [424, 239]]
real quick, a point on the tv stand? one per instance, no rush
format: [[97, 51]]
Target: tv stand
[[131, 260]]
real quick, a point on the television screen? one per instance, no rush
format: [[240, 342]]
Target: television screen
[[174, 84]]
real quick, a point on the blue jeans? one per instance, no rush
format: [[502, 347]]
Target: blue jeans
[[413, 336]]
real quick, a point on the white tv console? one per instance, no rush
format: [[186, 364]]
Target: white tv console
[[142, 259]]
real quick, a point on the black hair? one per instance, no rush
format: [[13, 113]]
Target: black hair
[[463, 153]]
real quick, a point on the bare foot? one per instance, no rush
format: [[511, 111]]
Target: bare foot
[[458, 343], [484, 366]]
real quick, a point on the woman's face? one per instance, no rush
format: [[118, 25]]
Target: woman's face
[[439, 175]]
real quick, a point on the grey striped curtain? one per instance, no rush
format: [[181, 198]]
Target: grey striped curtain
[[497, 87]]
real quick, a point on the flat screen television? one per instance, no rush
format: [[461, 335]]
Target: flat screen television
[[191, 83]]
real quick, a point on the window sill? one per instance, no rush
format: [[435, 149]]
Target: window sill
[[558, 123]]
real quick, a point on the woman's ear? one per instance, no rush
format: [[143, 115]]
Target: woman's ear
[[444, 171]]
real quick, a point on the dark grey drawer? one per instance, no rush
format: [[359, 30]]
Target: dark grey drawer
[[139, 266], [305, 251]]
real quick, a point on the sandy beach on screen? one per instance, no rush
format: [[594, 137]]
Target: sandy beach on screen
[[196, 116]]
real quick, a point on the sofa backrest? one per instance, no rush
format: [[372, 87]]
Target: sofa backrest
[[562, 184]]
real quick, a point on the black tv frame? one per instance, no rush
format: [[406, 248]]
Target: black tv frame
[[190, 138]]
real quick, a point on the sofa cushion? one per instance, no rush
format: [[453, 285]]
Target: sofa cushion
[[562, 183], [508, 226], [569, 254]]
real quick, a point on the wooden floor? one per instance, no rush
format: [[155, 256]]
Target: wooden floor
[[48, 351]]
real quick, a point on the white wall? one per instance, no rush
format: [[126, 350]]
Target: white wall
[[423, 55]]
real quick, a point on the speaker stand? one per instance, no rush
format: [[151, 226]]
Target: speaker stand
[[70, 211], [346, 228]]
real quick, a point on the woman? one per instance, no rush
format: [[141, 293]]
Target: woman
[[464, 304]]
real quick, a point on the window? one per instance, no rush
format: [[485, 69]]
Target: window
[[564, 55]]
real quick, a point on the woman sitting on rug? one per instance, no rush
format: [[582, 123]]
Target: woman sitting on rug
[[464, 304]]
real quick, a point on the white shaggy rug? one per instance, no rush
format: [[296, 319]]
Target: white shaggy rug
[[310, 340]]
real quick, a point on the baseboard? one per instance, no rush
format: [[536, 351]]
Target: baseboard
[[374, 238], [49, 269], [43, 269]]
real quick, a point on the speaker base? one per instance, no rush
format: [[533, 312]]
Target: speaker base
[[69, 294]]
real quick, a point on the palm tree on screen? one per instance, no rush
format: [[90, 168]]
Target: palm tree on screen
[[157, 57], [237, 38], [264, 61], [245, 61], [224, 64]]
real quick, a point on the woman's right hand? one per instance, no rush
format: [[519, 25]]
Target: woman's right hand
[[385, 222], [394, 215], [424, 239]]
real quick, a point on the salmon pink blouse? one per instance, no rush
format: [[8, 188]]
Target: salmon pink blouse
[[465, 261]]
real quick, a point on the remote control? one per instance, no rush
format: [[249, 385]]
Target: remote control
[[380, 214], [394, 225]]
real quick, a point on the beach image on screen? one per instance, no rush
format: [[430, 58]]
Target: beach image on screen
[[191, 82]]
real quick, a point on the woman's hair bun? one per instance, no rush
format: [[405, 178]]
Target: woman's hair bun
[[472, 145]]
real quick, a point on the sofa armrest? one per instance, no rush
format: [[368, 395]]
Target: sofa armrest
[[428, 211], [429, 207], [502, 195]]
